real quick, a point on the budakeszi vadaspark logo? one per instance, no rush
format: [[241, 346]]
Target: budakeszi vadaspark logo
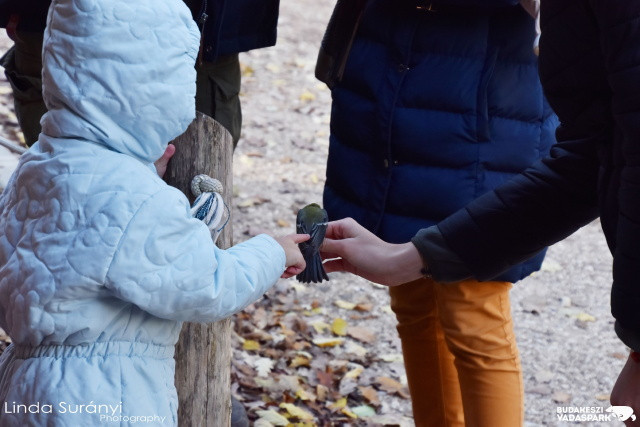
[[623, 413], [595, 413]]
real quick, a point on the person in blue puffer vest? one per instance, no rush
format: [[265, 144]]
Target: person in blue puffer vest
[[227, 28], [439, 103], [100, 260]]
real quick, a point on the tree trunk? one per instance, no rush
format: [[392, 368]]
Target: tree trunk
[[203, 353]]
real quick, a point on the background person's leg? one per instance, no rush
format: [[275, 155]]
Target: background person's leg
[[218, 90], [23, 68]]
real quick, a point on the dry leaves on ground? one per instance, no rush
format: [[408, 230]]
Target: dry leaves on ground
[[295, 365]]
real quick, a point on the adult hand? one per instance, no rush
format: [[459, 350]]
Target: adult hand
[[162, 162], [294, 260], [626, 391], [361, 252]]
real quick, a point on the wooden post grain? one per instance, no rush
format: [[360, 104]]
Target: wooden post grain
[[203, 353]]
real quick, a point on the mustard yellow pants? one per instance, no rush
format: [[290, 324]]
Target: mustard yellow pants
[[460, 353]]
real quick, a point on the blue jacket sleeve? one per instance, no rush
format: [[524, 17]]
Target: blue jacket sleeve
[[167, 264]]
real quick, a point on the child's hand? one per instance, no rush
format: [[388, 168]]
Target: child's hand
[[295, 262], [162, 162]]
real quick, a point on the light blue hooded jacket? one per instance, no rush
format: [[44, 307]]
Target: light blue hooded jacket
[[100, 261]]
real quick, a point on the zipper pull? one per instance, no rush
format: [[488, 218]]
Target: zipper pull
[[203, 19]]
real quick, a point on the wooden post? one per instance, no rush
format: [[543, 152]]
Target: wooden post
[[203, 353]]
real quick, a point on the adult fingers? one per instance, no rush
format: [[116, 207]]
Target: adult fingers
[[336, 265], [328, 255], [338, 229], [333, 247]]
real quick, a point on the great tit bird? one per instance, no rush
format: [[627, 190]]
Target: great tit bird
[[312, 220]]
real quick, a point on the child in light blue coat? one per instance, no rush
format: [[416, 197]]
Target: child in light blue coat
[[100, 260]]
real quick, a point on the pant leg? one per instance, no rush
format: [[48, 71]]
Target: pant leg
[[432, 376], [23, 68], [478, 328], [218, 90]]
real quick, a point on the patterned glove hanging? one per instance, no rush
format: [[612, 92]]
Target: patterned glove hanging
[[209, 206]]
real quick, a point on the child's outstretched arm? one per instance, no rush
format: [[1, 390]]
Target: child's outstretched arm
[[166, 264]]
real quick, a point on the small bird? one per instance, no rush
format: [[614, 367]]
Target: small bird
[[312, 220]]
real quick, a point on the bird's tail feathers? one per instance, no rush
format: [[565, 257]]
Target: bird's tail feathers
[[314, 273]]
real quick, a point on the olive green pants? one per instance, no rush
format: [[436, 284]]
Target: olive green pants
[[217, 93]]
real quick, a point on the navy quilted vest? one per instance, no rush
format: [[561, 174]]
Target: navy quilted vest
[[434, 109]]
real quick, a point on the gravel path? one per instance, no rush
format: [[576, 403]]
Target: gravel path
[[570, 354]]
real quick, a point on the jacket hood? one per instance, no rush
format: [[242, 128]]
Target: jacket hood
[[120, 73]]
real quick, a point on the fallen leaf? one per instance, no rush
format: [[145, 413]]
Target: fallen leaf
[[361, 334], [300, 360], [355, 349], [344, 304], [320, 326], [252, 201], [561, 397], [301, 63], [603, 397], [363, 307], [283, 223], [391, 357], [370, 394], [364, 411], [298, 287], [294, 411], [272, 67], [289, 382], [355, 372], [338, 404], [387, 309], [247, 71], [347, 386], [339, 327], [550, 265], [544, 376], [307, 96], [321, 392], [328, 342], [348, 413], [268, 383], [251, 345], [273, 417], [325, 379], [585, 317], [541, 389], [392, 386], [314, 178], [302, 394], [263, 366]]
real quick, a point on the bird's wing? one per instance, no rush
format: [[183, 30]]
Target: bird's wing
[[318, 231]]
